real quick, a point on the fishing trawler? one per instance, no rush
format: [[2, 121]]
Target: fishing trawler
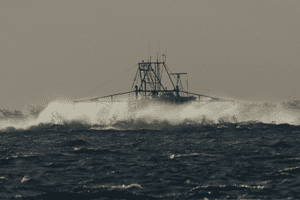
[[148, 88]]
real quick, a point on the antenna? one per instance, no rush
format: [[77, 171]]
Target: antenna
[[159, 49], [149, 51]]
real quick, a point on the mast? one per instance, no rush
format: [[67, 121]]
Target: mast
[[178, 82], [150, 78]]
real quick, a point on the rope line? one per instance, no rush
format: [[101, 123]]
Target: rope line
[[109, 80]]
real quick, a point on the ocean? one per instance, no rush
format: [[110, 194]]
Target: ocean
[[191, 158]]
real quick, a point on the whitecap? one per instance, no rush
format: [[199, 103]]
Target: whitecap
[[25, 178], [118, 186], [126, 186]]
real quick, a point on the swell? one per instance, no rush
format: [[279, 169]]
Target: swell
[[143, 124]]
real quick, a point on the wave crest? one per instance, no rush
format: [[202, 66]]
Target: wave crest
[[66, 116]]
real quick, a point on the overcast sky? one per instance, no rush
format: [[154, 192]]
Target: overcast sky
[[235, 48]]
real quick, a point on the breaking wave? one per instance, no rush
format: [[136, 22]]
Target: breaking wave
[[66, 115]]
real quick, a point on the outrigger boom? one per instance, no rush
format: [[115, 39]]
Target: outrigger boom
[[148, 87]]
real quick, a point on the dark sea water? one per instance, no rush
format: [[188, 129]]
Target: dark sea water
[[232, 161]]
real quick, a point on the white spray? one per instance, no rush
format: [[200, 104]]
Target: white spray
[[107, 113]]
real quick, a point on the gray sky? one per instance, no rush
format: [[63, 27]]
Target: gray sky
[[235, 48]]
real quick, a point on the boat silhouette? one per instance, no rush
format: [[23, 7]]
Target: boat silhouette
[[148, 88]]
